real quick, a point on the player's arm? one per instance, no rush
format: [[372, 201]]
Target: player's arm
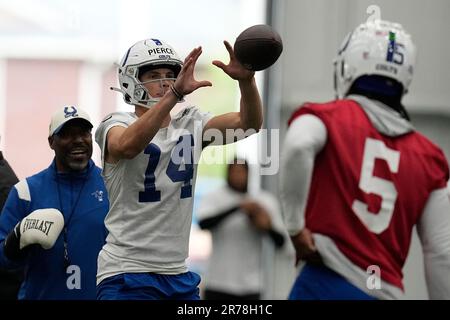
[[126, 143], [260, 218], [215, 208], [305, 138], [214, 220], [278, 232], [434, 233], [250, 115]]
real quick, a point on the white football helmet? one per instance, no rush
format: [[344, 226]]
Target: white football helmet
[[375, 48], [144, 54]]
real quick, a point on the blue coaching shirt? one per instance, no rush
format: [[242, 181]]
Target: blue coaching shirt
[[83, 200]]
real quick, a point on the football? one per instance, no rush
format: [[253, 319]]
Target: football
[[258, 47]]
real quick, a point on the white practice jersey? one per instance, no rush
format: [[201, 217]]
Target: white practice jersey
[[151, 197]]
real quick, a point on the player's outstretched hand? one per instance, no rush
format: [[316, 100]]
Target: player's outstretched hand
[[186, 83], [234, 68]]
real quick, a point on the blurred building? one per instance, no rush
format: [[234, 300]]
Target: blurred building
[[52, 53]]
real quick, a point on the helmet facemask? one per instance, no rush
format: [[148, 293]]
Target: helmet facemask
[[141, 92], [142, 57]]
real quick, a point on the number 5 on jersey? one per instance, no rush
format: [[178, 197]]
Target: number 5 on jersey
[[377, 222]]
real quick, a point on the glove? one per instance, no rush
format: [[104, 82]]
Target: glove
[[42, 227]]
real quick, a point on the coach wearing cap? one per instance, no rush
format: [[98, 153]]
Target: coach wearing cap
[[52, 223]]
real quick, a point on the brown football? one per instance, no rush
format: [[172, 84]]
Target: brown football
[[258, 47]]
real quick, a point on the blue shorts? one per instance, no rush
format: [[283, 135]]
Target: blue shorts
[[150, 286], [322, 283]]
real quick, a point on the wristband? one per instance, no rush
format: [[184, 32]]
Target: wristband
[[176, 93]]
